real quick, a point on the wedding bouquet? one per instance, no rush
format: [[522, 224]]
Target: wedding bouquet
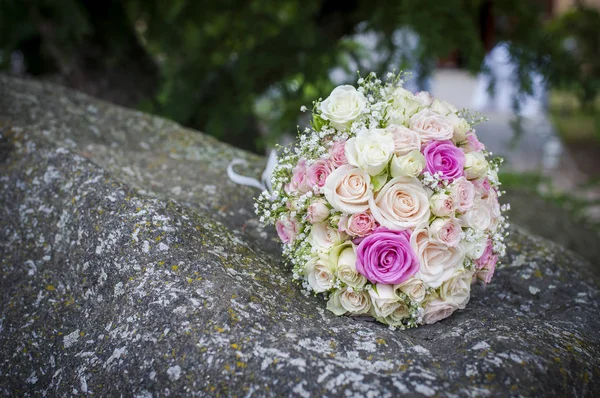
[[388, 205]]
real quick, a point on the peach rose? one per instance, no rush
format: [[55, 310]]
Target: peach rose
[[431, 126], [348, 189], [438, 262], [405, 140], [400, 204]]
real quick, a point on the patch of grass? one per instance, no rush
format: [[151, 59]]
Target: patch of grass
[[574, 124]]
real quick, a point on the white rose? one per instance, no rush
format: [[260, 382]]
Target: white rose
[[345, 258], [344, 105], [323, 237], [320, 274], [384, 299], [370, 150], [479, 217], [431, 126], [405, 140], [348, 189], [475, 248], [475, 165], [442, 204], [438, 261], [413, 288], [347, 300], [317, 211], [438, 309], [446, 231], [404, 105], [457, 290], [409, 165], [402, 203], [424, 97]]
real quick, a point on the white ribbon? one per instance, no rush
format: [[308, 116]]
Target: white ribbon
[[265, 179]]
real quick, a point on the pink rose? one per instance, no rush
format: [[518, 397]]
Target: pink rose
[[486, 274], [482, 186], [473, 144], [446, 231], [464, 194], [386, 257], [445, 158], [485, 257], [317, 174], [287, 229], [358, 224], [299, 180], [337, 154]]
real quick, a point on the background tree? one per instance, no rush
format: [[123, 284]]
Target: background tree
[[240, 69]]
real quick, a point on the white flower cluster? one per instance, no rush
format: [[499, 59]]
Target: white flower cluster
[[388, 205]]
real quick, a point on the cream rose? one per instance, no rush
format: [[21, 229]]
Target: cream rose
[[344, 105], [405, 140], [438, 261], [446, 231], [475, 165], [320, 274], [400, 313], [384, 299], [409, 165], [370, 150], [348, 189], [457, 290], [323, 237], [438, 309], [461, 126], [347, 300], [402, 203], [404, 105], [345, 258], [479, 217], [413, 288], [443, 107], [317, 211], [442, 204], [431, 126]]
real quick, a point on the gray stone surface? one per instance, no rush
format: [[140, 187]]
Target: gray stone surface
[[130, 266]]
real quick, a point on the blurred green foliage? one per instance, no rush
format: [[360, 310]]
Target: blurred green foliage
[[241, 69]]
